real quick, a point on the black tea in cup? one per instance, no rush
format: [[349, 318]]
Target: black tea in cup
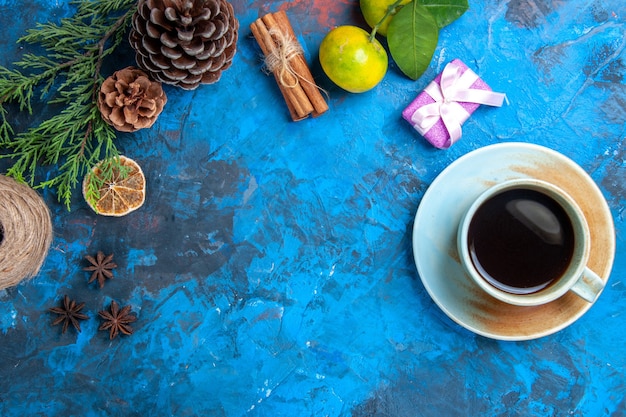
[[521, 240]]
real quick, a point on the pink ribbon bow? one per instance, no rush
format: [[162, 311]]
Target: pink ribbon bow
[[453, 88]]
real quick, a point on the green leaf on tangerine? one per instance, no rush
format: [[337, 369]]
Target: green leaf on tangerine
[[412, 37], [445, 11]]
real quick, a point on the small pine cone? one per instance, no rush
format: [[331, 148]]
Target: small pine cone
[[184, 42], [129, 100]]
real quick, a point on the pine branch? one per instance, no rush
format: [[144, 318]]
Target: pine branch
[[76, 138]]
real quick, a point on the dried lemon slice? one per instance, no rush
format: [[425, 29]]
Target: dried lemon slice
[[123, 193]]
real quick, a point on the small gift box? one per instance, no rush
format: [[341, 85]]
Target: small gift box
[[438, 112]]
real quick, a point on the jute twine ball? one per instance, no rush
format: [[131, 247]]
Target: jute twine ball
[[25, 232]]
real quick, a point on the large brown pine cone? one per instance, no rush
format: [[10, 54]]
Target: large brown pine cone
[[184, 42], [128, 100]]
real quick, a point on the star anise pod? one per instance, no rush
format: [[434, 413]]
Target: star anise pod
[[101, 266], [116, 320], [68, 313]]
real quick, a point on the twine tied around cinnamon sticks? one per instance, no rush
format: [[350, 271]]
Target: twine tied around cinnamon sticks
[[278, 60], [284, 58], [25, 232]]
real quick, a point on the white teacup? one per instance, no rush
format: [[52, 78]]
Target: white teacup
[[526, 242]]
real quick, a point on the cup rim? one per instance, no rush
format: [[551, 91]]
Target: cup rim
[[579, 258]]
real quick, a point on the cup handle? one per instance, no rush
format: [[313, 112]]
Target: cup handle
[[588, 286]]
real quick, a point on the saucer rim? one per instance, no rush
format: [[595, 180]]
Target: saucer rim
[[447, 175]]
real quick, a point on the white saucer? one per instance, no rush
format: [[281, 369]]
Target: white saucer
[[438, 216]]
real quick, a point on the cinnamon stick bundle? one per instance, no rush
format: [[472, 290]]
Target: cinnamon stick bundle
[[284, 58]]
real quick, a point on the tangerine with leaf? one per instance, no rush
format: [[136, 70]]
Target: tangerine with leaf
[[353, 59], [378, 12]]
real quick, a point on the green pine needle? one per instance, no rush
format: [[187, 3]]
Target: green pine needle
[[68, 76]]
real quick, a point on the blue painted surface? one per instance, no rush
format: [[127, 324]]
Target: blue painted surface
[[271, 267]]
